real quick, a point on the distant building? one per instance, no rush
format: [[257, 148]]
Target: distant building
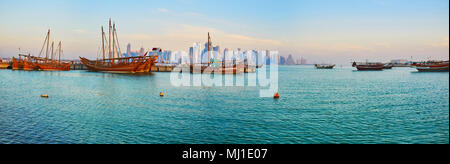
[[128, 50], [282, 60], [131, 53], [142, 52], [195, 53], [290, 60], [303, 61], [400, 61]]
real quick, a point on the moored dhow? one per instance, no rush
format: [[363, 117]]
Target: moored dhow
[[324, 66], [213, 66], [369, 66], [432, 66], [4, 64], [113, 61], [48, 63]]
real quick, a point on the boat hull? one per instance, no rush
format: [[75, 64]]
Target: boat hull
[[236, 69], [324, 66], [17, 64], [54, 66], [433, 69], [370, 67], [137, 66], [4, 65]]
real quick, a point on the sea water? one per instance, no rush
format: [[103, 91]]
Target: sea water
[[316, 106]]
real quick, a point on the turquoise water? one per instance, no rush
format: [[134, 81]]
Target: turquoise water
[[316, 106]]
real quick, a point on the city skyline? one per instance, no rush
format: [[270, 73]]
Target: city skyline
[[322, 31]]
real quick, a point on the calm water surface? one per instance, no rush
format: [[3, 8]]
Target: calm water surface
[[316, 106]]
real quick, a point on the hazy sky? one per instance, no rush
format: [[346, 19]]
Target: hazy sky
[[328, 31]]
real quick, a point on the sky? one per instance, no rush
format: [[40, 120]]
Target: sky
[[322, 31]]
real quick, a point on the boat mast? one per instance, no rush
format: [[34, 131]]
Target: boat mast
[[52, 48], [42, 49], [114, 43], [103, 43], [209, 49], [109, 40], [48, 40], [59, 50], [118, 45]]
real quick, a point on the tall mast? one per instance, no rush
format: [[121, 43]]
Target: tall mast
[[48, 40], [118, 45], [52, 48], [59, 60], [109, 39], [103, 43], [209, 48], [114, 43]]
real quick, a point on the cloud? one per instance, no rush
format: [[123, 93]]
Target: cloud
[[180, 37]]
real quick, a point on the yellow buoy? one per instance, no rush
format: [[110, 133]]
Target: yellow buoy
[[161, 94], [44, 96]]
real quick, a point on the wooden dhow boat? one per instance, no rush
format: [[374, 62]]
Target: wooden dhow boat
[[324, 66], [51, 61], [4, 64], [369, 66], [432, 66], [112, 59], [217, 67]]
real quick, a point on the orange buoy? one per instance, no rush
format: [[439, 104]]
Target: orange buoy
[[161, 94], [44, 96], [276, 96]]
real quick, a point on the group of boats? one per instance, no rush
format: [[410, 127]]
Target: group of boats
[[49, 59], [112, 60], [429, 66]]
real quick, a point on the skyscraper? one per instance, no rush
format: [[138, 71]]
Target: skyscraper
[[128, 50]]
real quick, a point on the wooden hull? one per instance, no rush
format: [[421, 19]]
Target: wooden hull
[[29, 66], [325, 66], [53, 66], [370, 67], [4, 65], [140, 65], [443, 68], [236, 69], [17, 64]]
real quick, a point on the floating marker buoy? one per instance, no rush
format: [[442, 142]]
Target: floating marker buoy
[[276, 96], [44, 96], [161, 94]]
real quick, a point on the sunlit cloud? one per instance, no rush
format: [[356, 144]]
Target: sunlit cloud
[[182, 36]]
